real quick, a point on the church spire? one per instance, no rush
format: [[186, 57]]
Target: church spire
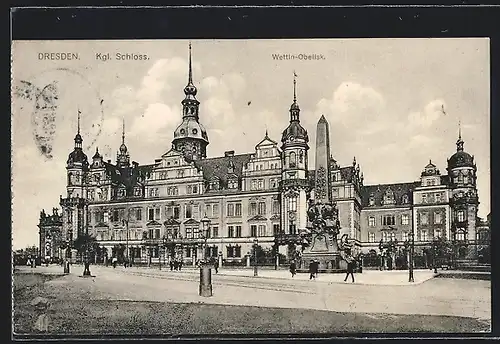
[[123, 131], [190, 90], [460, 142], [294, 108], [78, 137]]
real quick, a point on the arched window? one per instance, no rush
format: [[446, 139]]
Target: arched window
[[293, 159]]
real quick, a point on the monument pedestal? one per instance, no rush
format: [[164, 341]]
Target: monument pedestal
[[328, 262]]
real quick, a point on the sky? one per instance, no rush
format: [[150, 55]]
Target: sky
[[384, 100]]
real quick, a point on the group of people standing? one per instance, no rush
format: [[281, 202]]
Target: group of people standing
[[314, 268]]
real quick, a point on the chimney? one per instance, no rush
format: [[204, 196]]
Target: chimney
[[135, 164], [229, 153]]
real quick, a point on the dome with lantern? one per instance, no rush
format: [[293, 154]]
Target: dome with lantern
[[460, 158]]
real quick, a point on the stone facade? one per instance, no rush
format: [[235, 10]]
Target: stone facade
[[260, 195], [50, 243]]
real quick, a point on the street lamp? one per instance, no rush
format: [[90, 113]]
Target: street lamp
[[205, 271], [410, 263], [255, 243]]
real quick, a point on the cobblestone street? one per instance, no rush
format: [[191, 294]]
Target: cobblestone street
[[454, 297]]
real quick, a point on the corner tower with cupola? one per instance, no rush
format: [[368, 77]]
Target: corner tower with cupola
[[190, 137], [294, 183], [464, 199], [74, 213]]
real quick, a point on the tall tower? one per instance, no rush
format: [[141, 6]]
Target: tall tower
[[294, 182], [73, 205], [464, 199], [190, 137], [322, 189], [123, 157]]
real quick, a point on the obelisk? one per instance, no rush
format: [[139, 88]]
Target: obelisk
[[322, 193]]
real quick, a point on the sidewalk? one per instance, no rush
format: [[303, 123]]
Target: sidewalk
[[368, 277]]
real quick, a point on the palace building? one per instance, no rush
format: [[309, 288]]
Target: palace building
[[259, 195]]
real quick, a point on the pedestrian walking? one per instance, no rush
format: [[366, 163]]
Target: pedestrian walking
[[293, 268], [351, 265], [115, 261], [216, 266], [171, 263], [176, 265], [180, 265], [312, 273]]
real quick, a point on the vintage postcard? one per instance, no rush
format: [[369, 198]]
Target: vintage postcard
[[251, 187]]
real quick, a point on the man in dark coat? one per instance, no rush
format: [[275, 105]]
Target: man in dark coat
[[293, 268], [351, 265], [312, 273]]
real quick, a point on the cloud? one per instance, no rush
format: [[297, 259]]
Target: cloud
[[431, 113], [157, 118]]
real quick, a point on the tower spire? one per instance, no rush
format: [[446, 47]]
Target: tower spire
[[78, 121], [294, 87], [190, 67], [123, 130], [460, 142]]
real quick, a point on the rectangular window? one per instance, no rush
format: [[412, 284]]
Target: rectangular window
[[262, 230], [115, 215], [388, 220], [405, 219], [189, 232], [237, 251], [237, 210], [215, 210], [276, 229], [460, 216], [238, 231], [276, 206], [151, 214], [424, 198], [253, 209], [424, 219], [292, 228], [215, 231], [438, 198], [261, 184], [195, 189], [157, 233], [230, 209], [404, 236], [208, 210], [423, 236], [188, 252], [189, 211], [230, 232], [253, 230], [292, 204], [371, 221], [177, 212], [437, 218], [437, 233], [262, 208], [254, 185], [392, 236], [230, 252], [106, 217], [157, 213], [371, 237], [138, 214]]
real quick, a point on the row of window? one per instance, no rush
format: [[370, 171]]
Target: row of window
[[260, 184], [192, 232], [433, 197], [403, 236], [389, 220]]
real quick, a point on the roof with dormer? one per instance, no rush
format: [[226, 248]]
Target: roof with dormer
[[218, 167], [377, 192]]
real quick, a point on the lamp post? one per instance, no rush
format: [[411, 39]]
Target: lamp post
[[255, 243], [434, 253], [410, 263], [205, 271]]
